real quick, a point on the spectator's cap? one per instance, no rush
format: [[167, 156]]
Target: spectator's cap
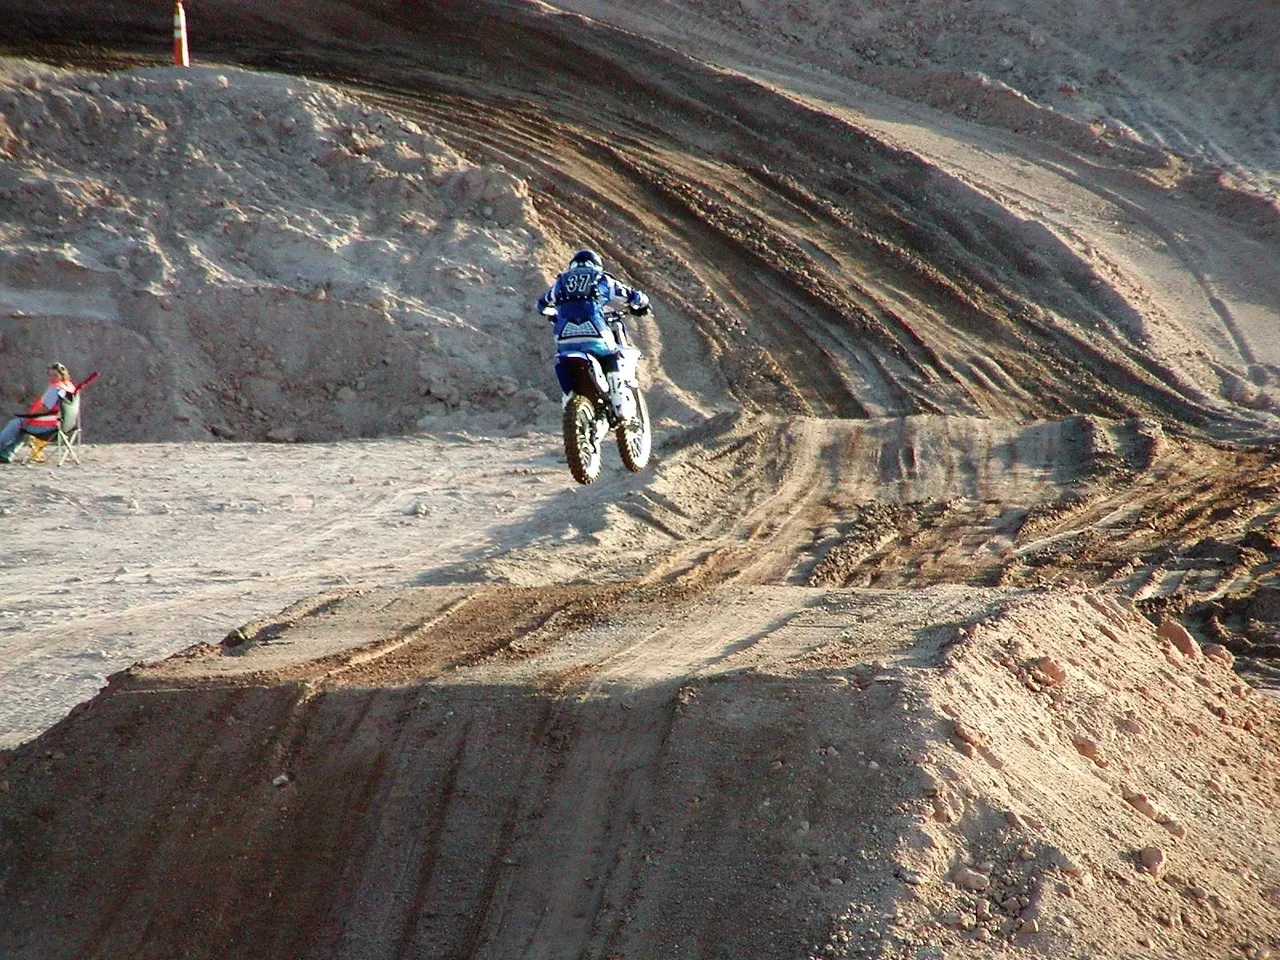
[[59, 369]]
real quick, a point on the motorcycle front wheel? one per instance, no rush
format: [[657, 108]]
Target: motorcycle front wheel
[[581, 446], [634, 437]]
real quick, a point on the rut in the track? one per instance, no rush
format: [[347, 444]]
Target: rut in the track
[[822, 271], [862, 287], [910, 502]]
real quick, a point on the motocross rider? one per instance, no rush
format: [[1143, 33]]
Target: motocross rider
[[577, 301]]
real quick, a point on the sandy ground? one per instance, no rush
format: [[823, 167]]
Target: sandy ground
[[150, 548], [941, 625]]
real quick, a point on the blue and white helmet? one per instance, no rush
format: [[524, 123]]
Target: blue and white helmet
[[586, 258]]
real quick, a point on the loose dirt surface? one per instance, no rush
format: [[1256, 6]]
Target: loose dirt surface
[[940, 626]]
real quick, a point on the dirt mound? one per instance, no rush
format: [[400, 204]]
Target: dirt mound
[[250, 255], [805, 258], [1196, 80], [1109, 770], [477, 772]]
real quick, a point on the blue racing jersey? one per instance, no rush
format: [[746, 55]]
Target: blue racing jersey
[[581, 294]]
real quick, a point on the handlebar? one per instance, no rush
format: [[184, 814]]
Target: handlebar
[[609, 313]]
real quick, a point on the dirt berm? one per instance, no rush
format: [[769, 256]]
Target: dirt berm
[[599, 771]]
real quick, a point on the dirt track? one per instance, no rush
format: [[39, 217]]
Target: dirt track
[[928, 363]]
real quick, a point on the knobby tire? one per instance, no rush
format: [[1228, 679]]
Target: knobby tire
[[581, 449], [634, 445]]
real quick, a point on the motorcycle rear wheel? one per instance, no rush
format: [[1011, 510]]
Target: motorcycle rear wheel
[[635, 439], [581, 447]]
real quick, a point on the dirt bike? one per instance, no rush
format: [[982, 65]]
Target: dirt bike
[[589, 413]]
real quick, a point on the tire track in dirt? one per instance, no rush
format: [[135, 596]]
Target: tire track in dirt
[[763, 537], [1190, 259], [910, 226], [688, 131], [171, 819], [631, 198]]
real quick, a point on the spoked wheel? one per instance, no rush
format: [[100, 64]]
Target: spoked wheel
[[634, 438], [581, 446]]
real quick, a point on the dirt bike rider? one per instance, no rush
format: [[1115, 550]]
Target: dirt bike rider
[[577, 301]]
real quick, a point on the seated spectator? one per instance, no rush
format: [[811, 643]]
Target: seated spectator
[[42, 417]]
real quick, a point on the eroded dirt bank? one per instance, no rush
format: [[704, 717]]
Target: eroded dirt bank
[[820, 259], [762, 771]]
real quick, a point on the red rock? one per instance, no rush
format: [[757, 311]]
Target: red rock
[[1142, 803], [966, 734], [971, 880], [1153, 860], [1177, 634], [1216, 651], [1048, 672]]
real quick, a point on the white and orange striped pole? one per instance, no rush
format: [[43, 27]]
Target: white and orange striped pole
[[181, 56]]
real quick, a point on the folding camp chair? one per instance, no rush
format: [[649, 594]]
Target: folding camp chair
[[68, 435]]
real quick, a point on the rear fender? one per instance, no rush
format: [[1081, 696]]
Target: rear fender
[[581, 373]]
